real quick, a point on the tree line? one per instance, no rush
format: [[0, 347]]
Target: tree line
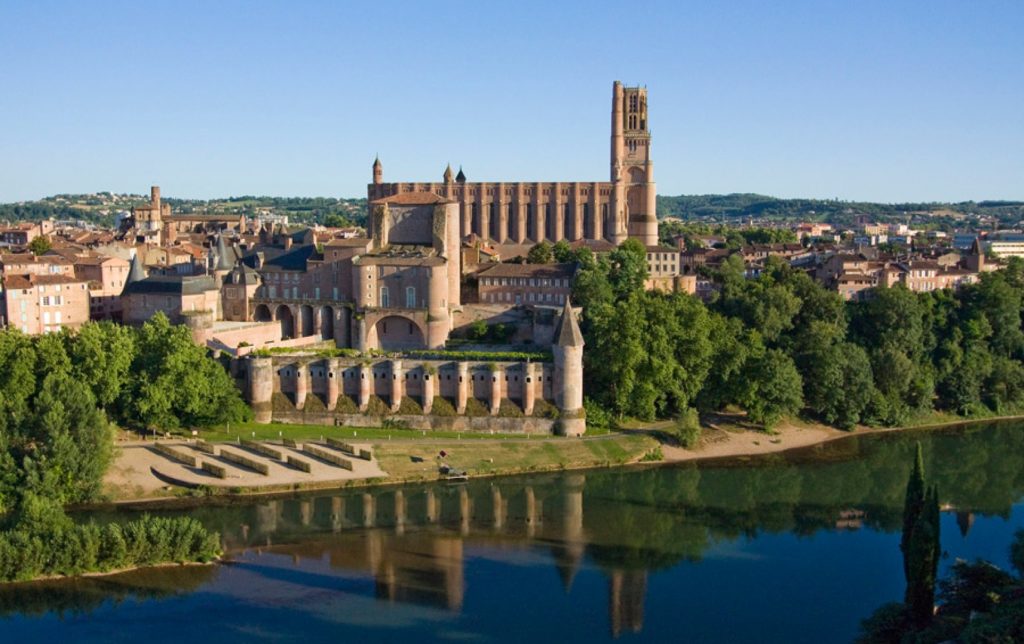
[[60, 391], [58, 394], [782, 344]]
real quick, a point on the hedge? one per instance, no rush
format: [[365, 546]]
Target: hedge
[[245, 461], [175, 455], [324, 455], [206, 448], [287, 442], [262, 448], [342, 445], [217, 470], [300, 464], [491, 356]]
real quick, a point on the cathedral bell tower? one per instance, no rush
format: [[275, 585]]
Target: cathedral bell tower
[[633, 199]]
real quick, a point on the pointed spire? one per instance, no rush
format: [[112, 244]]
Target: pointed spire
[[224, 262], [461, 176], [448, 174], [569, 334], [137, 273]]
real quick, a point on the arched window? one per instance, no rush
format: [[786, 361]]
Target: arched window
[[384, 300], [410, 297]]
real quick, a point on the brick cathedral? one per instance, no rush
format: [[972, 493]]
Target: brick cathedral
[[529, 212]]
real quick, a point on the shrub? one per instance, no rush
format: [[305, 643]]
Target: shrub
[[346, 405], [686, 428], [476, 407], [314, 404], [442, 407], [544, 409], [410, 407], [89, 547], [281, 402], [597, 416], [509, 409], [377, 407]]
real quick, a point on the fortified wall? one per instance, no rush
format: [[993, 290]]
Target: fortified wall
[[424, 394]]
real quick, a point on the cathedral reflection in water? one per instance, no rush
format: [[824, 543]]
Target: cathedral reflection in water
[[411, 541]]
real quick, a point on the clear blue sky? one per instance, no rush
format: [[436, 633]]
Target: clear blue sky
[[886, 101]]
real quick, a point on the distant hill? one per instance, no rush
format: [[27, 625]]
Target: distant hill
[[101, 208], [724, 208]]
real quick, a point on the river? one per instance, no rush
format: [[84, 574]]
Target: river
[[794, 547]]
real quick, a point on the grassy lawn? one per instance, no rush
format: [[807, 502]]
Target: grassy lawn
[[418, 460]]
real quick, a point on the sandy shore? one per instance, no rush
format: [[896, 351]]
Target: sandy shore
[[732, 443]]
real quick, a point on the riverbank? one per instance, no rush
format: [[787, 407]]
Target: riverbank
[[409, 459]]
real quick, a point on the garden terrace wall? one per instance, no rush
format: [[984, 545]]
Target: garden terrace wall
[[313, 386], [483, 424]]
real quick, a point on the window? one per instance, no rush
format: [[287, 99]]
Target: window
[[57, 317], [410, 297], [384, 300], [46, 317]]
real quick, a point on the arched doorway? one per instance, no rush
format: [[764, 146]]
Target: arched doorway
[[327, 323], [306, 320], [396, 333], [287, 320], [262, 313]]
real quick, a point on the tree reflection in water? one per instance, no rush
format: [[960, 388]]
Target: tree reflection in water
[[628, 523]]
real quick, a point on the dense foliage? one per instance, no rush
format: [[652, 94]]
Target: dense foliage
[[53, 545], [781, 344], [56, 442], [59, 390]]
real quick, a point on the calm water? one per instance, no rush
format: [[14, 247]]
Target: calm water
[[787, 549]]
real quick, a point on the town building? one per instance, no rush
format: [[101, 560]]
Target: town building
[[525, 284], [44, 303]]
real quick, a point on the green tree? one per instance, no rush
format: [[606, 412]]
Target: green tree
[[17, 376], [774, 388], [176, 384], [334, 220], [562, 252], [627, 268], [40, 245], [540, 254], [101, 355], [838, 384], [69, 443], [920, 544]]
